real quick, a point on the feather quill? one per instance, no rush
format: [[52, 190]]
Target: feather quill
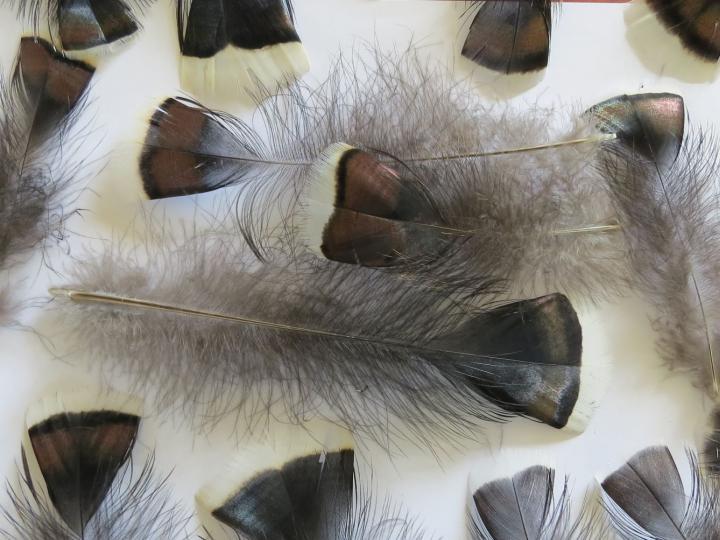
[[510, 36], [646, 499], [84, 25], [389, 358], [39, 105], [78, 480], [232, 46], [307, 491]]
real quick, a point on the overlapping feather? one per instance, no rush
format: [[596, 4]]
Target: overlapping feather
[[83, 25], [510, 36], [305, 491], [39, 162], [711, 451], [78, 480], [646, 499], [138, 505], [527, 507], [230, 47], [292, 339], [510, 217], [593, 218]]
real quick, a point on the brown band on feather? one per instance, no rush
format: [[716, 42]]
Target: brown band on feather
[[365, 184], [52, 83], [695, 22], [79, 455], [510, 36], [653, 125], [183, 152], [545, 336], [358, 238]]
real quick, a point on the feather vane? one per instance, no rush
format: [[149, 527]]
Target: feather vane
[[40, 104], [386, 356]]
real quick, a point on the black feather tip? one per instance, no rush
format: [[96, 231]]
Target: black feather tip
[[52, 84], [308, 496], [543, 335], [360, 210], [232, 45]]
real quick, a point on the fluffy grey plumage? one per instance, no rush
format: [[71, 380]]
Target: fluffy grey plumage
[[137, 506], [646, 499], [526, 507], [376, 347], [40, 104], [671, 222], [525, 220], [518, 209]]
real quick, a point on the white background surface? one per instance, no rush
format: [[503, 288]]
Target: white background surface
[[597, 51]]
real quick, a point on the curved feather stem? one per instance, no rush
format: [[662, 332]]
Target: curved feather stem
[[601, 137]]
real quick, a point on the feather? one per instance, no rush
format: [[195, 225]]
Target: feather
[[517, 507], [646, 498], [390, 358], [625, 202], [476, 192], [307, 491], [510, 36], [77, 483], [711, 450], [85, 25], [39, 105], [230, 46], [525, 507], [669, 217], [695, 22]]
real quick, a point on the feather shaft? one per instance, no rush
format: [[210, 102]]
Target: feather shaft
[[109, 299]]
